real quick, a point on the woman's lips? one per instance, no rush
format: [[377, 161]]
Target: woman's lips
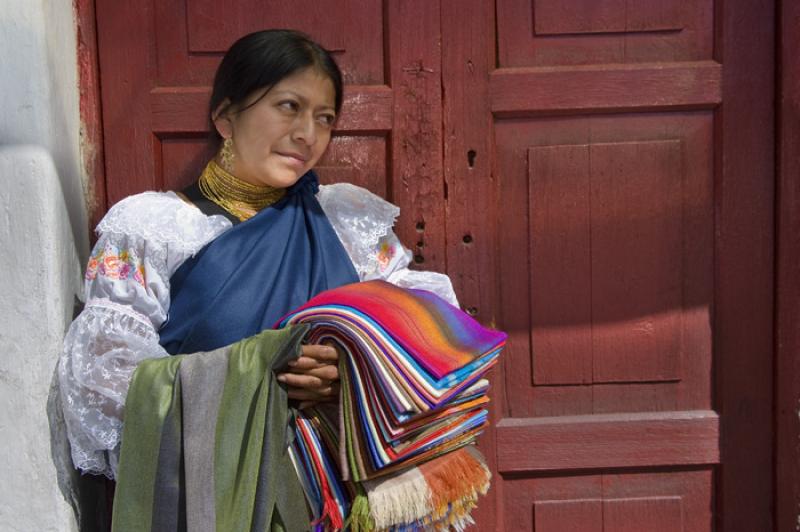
[[293, 159]]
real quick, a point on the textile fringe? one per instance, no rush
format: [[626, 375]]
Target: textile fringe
[[399, 498], [458, 518], [436, 495], [456, 477], [360, 519]]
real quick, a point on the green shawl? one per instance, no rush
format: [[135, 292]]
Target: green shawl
[[205, 442]]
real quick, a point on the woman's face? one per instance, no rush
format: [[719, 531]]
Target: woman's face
[[282, 135]]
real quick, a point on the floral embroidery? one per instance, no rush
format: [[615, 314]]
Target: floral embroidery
[[112, 263], [385, 254]]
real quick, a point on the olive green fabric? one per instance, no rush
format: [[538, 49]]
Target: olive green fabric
[[146, 407], [202, 382], [255, 485]]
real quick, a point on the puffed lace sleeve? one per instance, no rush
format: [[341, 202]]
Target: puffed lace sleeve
[[142, 241], [363, 221]]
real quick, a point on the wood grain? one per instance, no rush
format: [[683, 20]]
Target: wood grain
[[745, 268], [787, 290], [605, 88], [129, 141], [546, 33], [607, 441], [572, 17], [417, 177], [91, 112]]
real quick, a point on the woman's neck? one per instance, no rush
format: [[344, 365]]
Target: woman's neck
[[238, 197]]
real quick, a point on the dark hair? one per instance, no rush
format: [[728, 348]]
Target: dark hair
[[262, 59]]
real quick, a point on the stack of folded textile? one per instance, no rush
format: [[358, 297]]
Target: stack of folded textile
[[395, 454]]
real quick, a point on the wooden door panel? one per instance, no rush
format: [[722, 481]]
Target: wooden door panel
[[182, 157], [654, 514], [194, 34], [580, 32], [610, 16], [618, 231], [670, 502], [564, 443], [573, 515], [605, 133], [625, 241]]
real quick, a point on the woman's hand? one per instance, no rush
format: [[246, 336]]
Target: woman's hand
[[314, 376]]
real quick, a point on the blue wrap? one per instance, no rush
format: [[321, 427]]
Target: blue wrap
[[249, 277]]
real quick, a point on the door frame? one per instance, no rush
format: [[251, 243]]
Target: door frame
[[787, 290]]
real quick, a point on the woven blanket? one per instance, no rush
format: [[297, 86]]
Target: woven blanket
[[412, 398]]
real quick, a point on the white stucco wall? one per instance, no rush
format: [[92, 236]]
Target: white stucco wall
[[43, 242], [39, 84]]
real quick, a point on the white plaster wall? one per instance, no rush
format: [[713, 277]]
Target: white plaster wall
[[35, 239], [43, 242], [39, 85]]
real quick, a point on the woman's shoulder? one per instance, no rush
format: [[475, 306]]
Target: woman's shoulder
[[161, 217], [358, 209]]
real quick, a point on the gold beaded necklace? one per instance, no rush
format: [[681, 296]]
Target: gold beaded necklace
[[238, 197]]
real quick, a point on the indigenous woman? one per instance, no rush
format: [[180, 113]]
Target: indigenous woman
[[253, 238]]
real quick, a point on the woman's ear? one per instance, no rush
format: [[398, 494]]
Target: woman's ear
[[221, 119]]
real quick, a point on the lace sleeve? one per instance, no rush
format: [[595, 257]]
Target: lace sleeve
[[363, 222], [101, 350], [360, 219], [143, 239]]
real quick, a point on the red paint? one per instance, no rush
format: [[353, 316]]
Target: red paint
[[467, 35], [546, 33], [415, 75], [599, 441], [633, 256], [787, 291], [744, 265], [605, 88], [90, 110]]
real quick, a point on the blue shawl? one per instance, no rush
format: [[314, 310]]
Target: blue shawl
[[250, 276]]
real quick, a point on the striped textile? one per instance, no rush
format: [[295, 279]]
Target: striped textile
[[205, 442], [412, 401]]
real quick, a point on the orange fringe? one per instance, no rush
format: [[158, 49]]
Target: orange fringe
[[455, 480]]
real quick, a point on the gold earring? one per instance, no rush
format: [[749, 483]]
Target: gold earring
[[226, 155]]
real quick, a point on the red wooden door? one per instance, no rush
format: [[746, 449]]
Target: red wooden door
[[595, 176], [628, 183]]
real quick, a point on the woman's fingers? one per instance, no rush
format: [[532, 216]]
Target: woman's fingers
[[305, 363], [314, 376], [321, 353], [327, 372], [301, 380], [311, 383], [303, 394]]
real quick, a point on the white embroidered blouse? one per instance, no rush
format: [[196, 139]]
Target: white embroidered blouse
[[142, 241]]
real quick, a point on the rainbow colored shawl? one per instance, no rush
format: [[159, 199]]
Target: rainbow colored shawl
[[412, 400]]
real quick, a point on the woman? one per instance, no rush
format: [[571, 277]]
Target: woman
[[254, 238]]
